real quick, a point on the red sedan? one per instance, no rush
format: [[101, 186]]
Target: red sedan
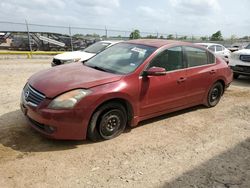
[[123, 85]]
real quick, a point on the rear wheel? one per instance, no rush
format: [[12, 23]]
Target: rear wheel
[[215, 94], [107, 122], [236, 75]]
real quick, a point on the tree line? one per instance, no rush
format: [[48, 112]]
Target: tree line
[[217, 36]]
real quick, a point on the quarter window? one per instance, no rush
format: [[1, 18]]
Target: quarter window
[[195, 56], [170, 59], [211, 58]]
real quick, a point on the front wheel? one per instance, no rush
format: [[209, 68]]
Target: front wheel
[[215, 94], [107, 122], [236, 76]]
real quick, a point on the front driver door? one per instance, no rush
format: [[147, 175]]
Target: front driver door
[[165, 92]]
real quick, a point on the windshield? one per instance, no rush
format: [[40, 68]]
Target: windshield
[[97, 47], [248, 46], [121, 58]]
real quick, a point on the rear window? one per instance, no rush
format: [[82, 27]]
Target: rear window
[[195, 56], [212, 48], [97, 47], [218, 48]]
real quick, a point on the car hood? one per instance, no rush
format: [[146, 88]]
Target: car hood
[[243, 51], [60, 79], [74, 55]]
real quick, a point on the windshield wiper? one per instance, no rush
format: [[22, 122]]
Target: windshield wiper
[[99, 68]]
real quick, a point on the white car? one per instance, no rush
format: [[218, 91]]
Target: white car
[[218, 50], [83, 55], [240, 62]]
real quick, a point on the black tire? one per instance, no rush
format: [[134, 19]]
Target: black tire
[[62, 49], [34, 48], [107, 122], [236, 76], [53, 49], [214, 94]]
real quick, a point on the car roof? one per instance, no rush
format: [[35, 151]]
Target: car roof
[[111, 41], [156, 42], [208, 44]]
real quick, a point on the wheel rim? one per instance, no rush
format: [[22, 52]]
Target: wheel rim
[[111, 123], [215, 94]]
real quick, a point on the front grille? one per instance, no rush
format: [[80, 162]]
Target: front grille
[[57, 61], [32, 96], [245, 58]]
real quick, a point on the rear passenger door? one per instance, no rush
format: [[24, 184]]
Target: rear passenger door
[[200, 73]]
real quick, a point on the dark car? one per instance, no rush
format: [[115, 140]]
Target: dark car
[[121, 86]]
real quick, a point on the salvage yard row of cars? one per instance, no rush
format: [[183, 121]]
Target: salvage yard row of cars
[[122, 85]]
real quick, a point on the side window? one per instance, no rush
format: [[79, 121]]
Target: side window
[[196, 56], [170, 59], [218, 48], [212, 48]]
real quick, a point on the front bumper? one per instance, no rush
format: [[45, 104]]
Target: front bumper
[[241, 69], [57, 124]]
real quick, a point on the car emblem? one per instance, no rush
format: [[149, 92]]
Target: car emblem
[[26, 95]]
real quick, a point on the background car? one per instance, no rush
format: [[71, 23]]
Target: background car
[[127, 83], [240, 62], [83, 55], [218, 49], [237, 46]]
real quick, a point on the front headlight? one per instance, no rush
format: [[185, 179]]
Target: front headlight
[[68, 100], [70, 60]]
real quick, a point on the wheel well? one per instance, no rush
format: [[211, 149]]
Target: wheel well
[[124, 103], [223, 84]]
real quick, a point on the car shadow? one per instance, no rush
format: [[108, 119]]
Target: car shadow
[[243, 81], [230, 169], [169, 115], [16, 133]]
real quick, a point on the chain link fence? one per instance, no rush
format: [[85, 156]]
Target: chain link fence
[[32, 37]]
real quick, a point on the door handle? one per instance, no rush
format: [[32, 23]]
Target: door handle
[[212, 71], [182, 79]]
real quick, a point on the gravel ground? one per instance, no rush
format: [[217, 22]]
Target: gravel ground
[[197, 147]]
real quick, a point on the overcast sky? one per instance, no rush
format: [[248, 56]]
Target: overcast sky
[[186, 17]]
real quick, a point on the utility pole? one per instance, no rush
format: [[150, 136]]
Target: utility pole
[[106, 32], [27, 26], [71, 43]]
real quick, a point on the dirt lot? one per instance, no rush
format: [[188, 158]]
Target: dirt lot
[[197, 147]]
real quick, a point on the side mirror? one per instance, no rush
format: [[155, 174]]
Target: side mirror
[[155, 71]]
